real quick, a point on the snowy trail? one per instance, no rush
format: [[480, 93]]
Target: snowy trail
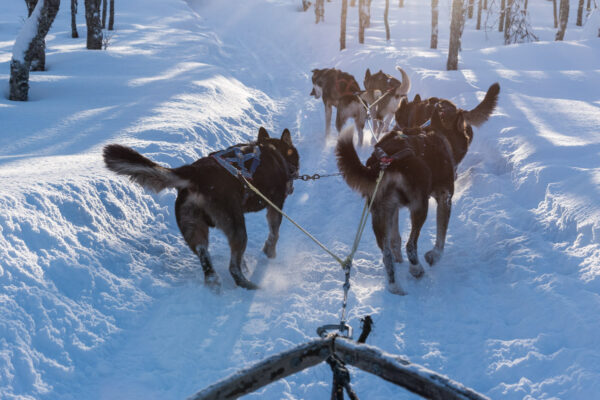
[[102, 299]]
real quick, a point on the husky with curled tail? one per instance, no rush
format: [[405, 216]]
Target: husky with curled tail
[[209, 194], [419, 163], [412, 114]]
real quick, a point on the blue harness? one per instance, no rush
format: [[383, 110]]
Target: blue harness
[[235, 163]]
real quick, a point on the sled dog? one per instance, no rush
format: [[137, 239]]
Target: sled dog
[[340, 90], [419, 163], [209, 194], [417, 112], [392, 90]]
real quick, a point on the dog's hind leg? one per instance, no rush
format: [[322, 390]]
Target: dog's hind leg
[[380, 219], [396, 239], [444, 207], [192, 223], [234, 227], [328, 112], [418, 215], [274, 220]]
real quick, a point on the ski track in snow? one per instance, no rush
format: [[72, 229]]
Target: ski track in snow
[[100, 298]]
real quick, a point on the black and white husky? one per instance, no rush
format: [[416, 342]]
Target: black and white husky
[[209, 195]]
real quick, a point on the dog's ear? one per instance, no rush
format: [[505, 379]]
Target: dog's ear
[[286, 137], [262, 134], [461, 124], [417, 98], [368, 73]]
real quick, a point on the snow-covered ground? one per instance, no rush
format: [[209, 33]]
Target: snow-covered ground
[[100, 298]]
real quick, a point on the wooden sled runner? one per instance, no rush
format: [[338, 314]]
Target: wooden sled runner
[[397, 370]]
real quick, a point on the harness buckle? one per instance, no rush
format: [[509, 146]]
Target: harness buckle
[[343, 328]]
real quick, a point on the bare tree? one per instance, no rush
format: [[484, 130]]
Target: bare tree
[[362, 20], [478, 27], [94, 26], [352, 3], [111, 15], [435, 10], [525, 6], [580, 13], [305, 5], [104, 6], [385, 19], [34, 30], [563, 17], [502, 13], [74, 33], [343, 24], [517, 28], [485, 6], [319, 11], [555, 14], [38, 50], [401, 3], [368, 13], [507, 18], [470, 8], [455, 33]]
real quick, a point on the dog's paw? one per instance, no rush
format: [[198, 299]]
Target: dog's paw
[[433, 256], [213, 283], [416, 270], [395, 288], [246, 284], [269, 250]]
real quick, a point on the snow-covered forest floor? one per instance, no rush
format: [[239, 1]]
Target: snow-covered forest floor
[[100, 298]]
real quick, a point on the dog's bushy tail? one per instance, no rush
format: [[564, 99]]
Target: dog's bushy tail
[[356, 175], [482, 112], [405, 85], [126, 161]]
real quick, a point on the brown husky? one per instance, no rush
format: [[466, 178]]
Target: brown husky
[[340, 90], [419, 163], [417, 112], [211, 195]]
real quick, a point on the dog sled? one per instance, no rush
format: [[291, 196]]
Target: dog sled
[[399, 371]]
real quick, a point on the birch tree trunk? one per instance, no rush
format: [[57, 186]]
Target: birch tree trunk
[[563, 17], [343, 24], [455, 32], [34, 30], [478, 27], [435, 10], [111, 15], [104, 13], [555, 14], [319, 11], [74, 33], [385, 19], [94, 26], [361, 20], [508, 16], [502, 15], [580, 13]]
